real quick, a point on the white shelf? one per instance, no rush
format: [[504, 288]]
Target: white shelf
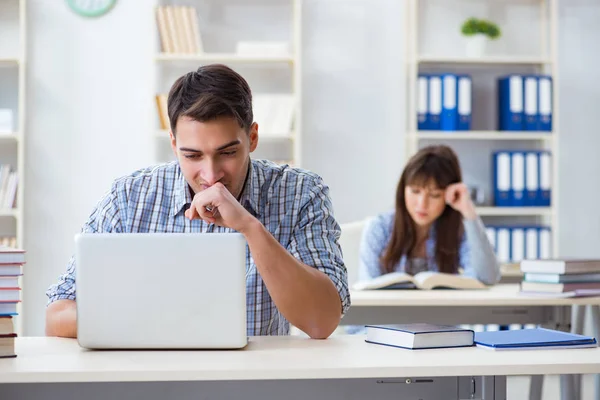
[[224, 57], [9, 62], [482, 135], [11, 212], [10, 137], [504, 60], [514, 211]]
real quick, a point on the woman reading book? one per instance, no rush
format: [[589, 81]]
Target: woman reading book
[[434, 226]]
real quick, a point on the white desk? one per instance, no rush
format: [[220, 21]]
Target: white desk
[[501, 304], [273, 367]]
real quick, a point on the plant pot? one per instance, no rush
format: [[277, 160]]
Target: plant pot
[[475, 45]]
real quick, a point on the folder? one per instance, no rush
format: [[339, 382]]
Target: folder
[[449, 119], [510, 103], [545, 102], [530, 103], [517, 244], [465, 102], [503, 245], [545, 243], [422, 88], [532, 248], [434, 109], [545, 183], [531, 178], [502, 178], [536, 338], [517, 190]]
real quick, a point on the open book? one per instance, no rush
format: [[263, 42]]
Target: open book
[[423, 280]]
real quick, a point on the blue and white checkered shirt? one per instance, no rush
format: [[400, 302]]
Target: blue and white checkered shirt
[[293, 204]]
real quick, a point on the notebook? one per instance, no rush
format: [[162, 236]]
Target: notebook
[[419, 336], [527, 339]]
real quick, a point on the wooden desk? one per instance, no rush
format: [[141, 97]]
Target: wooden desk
[[339, 367]]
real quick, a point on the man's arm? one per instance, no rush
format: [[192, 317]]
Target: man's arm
[[61, 319]]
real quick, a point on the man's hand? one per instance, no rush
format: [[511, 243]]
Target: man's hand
[[217, 205]]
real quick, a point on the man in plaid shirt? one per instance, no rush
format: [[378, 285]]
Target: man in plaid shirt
[[295, 271]]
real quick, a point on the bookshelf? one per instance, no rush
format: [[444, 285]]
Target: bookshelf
[[219, 38], [12, 138], [423, 21]]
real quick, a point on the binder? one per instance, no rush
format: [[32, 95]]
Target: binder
[[530, 103], [465, 102], [503, 245], [434, 109], [531, 178], [517, 244], [502, 178], [510, 103], [532, 248], [517, 190], [545, 243], [545, 102], [545, 183], [449, 119], [490, 232], [422, 88]]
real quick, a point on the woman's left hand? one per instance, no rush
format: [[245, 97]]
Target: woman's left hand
[[457, 197]]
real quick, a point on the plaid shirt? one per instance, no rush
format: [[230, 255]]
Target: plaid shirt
[[293, 205]]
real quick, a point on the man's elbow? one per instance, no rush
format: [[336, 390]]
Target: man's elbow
[[323, 329], [61, 319]]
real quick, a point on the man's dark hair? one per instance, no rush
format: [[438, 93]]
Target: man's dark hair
[[211, 92]]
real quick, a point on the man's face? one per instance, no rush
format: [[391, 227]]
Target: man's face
[[214, 151]]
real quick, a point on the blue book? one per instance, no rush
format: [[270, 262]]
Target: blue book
[[510, 103], [422, 102], [419, 336], [532, 178], [530, 103], [545, 179], [449, 119], [545, 103], [517, 179], [527, 339], [434, 103], [502, 178], [465, 102]]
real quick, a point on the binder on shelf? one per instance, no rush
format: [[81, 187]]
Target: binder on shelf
[[449, 119], [531, 178], [422, 96], [517, 244], [502, 178], [503, 251], [545, 175], [465, 102], [545, 103], [510, 103], [434, 109], [532, 248], [545, 243], [530, 103], [517, 189], [490, 232]]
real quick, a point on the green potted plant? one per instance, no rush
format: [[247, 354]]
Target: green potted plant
[[477, 33]]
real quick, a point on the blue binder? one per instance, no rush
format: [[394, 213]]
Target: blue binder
[[538, 338], [422, 96], [545, 102], [449, 119], [530, 103], [532, 178], [465, 102], [502, 178], [545, 179], [532, 243], [434, 102], [517, 179], [510, 103]]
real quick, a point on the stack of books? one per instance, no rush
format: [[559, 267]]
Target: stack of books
[[11, 263], [561, 278]]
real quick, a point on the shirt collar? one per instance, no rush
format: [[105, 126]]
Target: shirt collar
[[182, 193]]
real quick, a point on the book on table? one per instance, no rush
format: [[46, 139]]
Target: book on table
[[528, 339], [419, 336], [425, 280]]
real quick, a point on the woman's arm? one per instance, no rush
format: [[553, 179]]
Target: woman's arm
[[477, 255]]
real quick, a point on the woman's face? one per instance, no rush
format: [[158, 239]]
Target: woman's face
[[425, 203]]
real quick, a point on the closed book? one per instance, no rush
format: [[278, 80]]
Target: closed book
[[6, 325], [419, 336], [7, 345], [561, 266], [9, 255], [527, 339], [561, 278], [558, 287]]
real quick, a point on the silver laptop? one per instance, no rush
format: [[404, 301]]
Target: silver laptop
[[161, 290]]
